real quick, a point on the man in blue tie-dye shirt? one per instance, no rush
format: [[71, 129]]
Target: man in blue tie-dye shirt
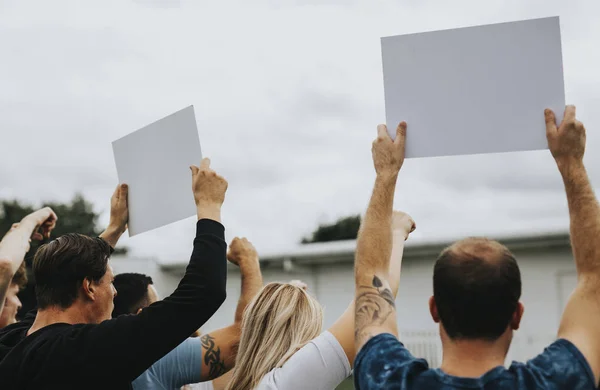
[[476, 291]]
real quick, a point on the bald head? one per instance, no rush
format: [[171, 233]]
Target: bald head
[[476, 288]]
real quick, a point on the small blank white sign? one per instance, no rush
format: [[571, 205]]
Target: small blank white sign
[[154, 161], [476, 89]]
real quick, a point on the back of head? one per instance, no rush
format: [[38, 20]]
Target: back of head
[[279, 321], [476, 288], [132, 293], [60, 267]]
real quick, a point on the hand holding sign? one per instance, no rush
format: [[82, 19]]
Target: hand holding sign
[[567, 141], [209, 191], [388, 155]]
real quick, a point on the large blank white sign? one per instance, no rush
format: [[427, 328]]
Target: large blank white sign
[[474, 90], [154, 161]]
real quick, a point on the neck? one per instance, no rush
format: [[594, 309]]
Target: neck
[[472, 358], [58, 315]]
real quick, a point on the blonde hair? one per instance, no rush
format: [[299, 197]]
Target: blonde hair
[[279, 321]]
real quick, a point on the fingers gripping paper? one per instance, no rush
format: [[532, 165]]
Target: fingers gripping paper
[[154, 161], [474, 90]]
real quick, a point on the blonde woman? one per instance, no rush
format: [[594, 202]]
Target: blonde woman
[[283, 346]]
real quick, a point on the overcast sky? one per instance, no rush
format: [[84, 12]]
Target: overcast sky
[[287, 95]]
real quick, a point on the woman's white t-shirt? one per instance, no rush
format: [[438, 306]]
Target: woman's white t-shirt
[[321, 364]]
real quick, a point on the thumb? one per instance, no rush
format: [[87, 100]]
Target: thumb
[[194, 169], [550, 122]]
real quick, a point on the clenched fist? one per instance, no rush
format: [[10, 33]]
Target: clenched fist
[[567, 142], [241, 250], [43, 219], [388, 155], [209, 188], [403, 223]]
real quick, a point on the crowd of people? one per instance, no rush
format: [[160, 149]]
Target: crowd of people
[[96, 330]]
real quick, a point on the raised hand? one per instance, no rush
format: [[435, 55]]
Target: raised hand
[[240, 251], [209, 188], [403, 223], [567, 141], [388, 155], [119, 208], [43, 219]]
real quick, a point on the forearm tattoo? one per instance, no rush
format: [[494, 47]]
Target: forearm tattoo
[[374, 304], [212, 357]]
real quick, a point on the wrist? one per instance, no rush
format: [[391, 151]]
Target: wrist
[[203, 204], [248, 261], [387, 176], [570, 167], [207, 210], [28, 223], [115, 229]]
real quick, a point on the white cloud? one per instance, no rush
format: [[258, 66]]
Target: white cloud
[[287, 95]]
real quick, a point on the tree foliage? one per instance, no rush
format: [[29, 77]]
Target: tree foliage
[[76, 216], [345, 228]]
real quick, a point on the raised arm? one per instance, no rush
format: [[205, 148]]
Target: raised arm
[[343, 328], [374, 300], [579, 323], [16, 242], [119, 215], [136, 342], [402, 226], [219, 348]]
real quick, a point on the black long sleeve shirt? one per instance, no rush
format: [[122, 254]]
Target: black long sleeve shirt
[[110, 355]]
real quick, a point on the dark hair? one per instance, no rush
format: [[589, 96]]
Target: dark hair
[[20, 277], [132, 293], [476, 287], [60, 267]]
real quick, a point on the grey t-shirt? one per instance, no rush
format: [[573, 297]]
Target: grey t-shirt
[[321, 364], [179, 367]]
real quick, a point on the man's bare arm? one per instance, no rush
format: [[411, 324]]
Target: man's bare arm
[[343, 328], [374, 300], [579, 323], [15, 244], [219, 348], [402, 226]]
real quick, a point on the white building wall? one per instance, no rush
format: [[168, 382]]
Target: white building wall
[[548, 278]]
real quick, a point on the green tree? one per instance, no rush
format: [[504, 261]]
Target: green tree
[[76, 216], [343, 229]]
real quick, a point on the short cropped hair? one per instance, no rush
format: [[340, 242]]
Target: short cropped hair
[[132, 293], [476, 288], [60, 267]]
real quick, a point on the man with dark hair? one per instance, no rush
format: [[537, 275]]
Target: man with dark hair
[[13, 247], [477, 286], [476, 290], [72, 342], [134, 292], [203, 359]]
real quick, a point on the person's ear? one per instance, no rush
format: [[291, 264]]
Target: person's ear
[[433, 310], [88, 289], [517, 316]]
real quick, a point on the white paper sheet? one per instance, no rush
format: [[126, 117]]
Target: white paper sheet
[[154, 161], [474, 90]]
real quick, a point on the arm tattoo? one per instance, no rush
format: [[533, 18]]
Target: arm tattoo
[[212, 357], [374, 304]]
